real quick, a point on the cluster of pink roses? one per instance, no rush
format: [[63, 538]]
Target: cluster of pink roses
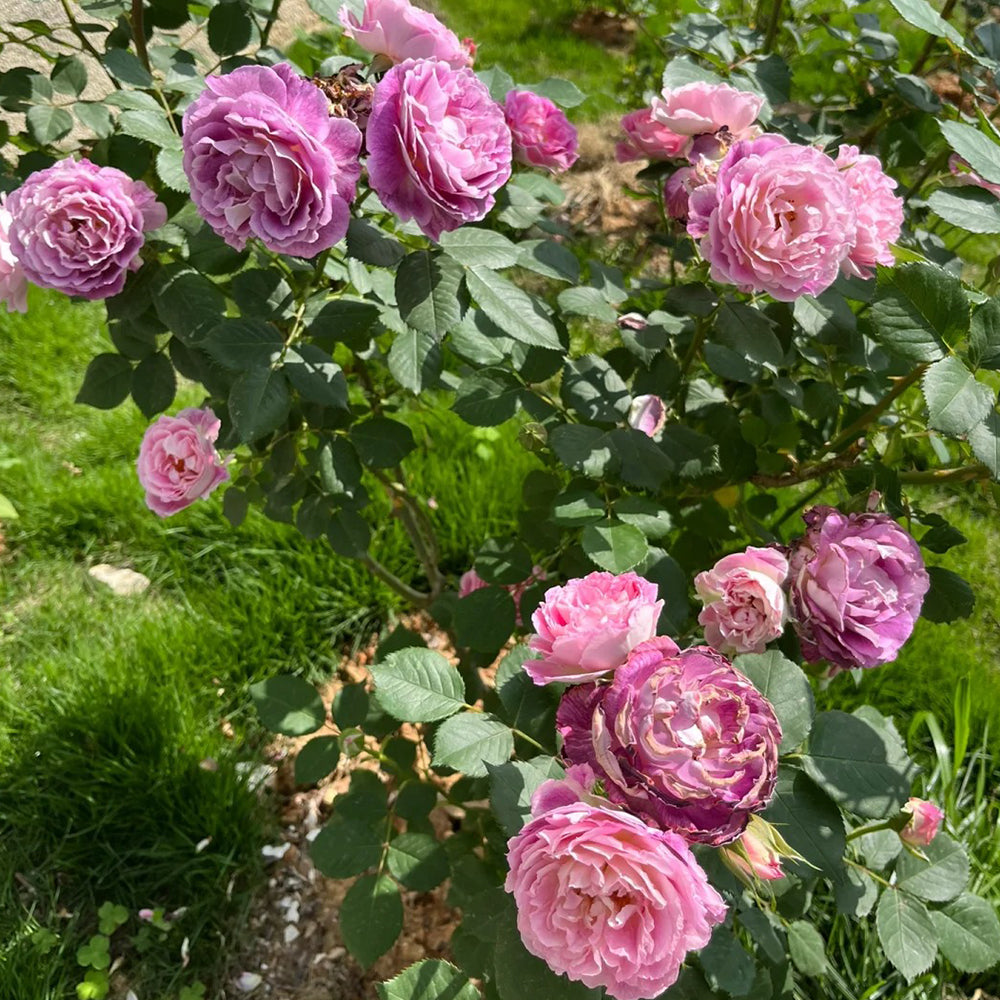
[[770, 215]]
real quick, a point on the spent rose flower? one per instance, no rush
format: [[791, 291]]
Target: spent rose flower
[[879, 211], [470, 581], [609, 901], [857, 582], [922, 826], [178, 463], [541, 132], [779, 218], [439, 148], [265, 159], [745, 605], [13, 284], [399, 31], [648, 139], [78, 228], [702, 108], [587, 627], [681, 739], [647, 414]]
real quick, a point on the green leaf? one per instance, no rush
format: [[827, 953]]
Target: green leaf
[[918, 309], [484, 619], [950, 596], [8, 512], [807, 948], [922, 15], [550, 259], [124, 66], [381, 442], [956, 402], [350, 706], [984, 334], [968, 933], [562, 92], [941, 877], [152, 126], [48, 124], [787, 688], [614, 546], [577, 508], [346, 846], [503, 561], [69, 76], [415, 359], [431, 979], [418, 685], [229, 28], [154, 384], [488, 397], [289, 705], [643, 462], [418, 860], [258, 403], [371, 918], [187, 303], [472, 247], [855, 892], [978, 150], [348, 321], [316, 376], [244, 344], [317, 759], [726, 964], [583, 449], [594, 390], [470, 741], [585, 301], [95, 117], [170, 168], [512, 785], [971, 209], [106, 382], [427, 292], [809, 821], [348, 534], [513, 310], [985, 442], [367, 243], [905, 932], [859, 766]]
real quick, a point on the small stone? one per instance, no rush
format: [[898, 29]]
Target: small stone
[[124, 582], [274, 852], [247, 981], [291, 933]]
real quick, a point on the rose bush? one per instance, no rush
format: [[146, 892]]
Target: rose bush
[[327, 250]]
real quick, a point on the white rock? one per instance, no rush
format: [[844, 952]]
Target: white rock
[[124, 582], [274, 852], [291, 933], [247, 981]]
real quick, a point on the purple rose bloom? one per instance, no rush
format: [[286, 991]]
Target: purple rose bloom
[[542, 134], [857, 584], [680, 738], [78, 228], [265, 158], [439, 148]]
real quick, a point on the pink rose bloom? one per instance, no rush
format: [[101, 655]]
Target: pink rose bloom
[[648, 139], [647, 414], [965, 175], [265, 159], [399, 31], [13, 284], [470, 580], [178, 463], [744, 602], [700, 108], [758, 854], [608, 901], [857, 583], [588, 627], [680, 738], [78, 228], [439, 148], [879, 211], [923, 824], [676, 191], [780, 218], [541, 132]]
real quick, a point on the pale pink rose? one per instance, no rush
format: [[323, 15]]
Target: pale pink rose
[[879, 211], [647, 414], [470, 581], [758, 854], [700, 108], [923, 824], [587, 628], [578, 785], [745, 605], [609, 901], [779, 218], [647, 139], [965, 175], [178, 463], [13, 283], [542, 134], [632, 321], [398, 30]]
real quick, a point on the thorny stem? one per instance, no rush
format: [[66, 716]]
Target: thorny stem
[[819, 470], [139, 35], [773, 24], [416, 597], [271, 18], [873, 828], [960, 474]]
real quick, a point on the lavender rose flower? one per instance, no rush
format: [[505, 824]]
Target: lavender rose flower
[[680, 738], [78, 228], [879, 211], [587, 628], [648, 139], [178, 463], [857, 582], [924, 822], [266, 160], [647, 414], [609, 901], [13, 284], [541, 133], [745, 605], [399, 31], [439, 148], [779, 218]]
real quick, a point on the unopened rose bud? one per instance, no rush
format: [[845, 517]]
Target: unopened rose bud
[[352, 742], [647, 414], [632, 321], [922, 826], [758, 854]]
